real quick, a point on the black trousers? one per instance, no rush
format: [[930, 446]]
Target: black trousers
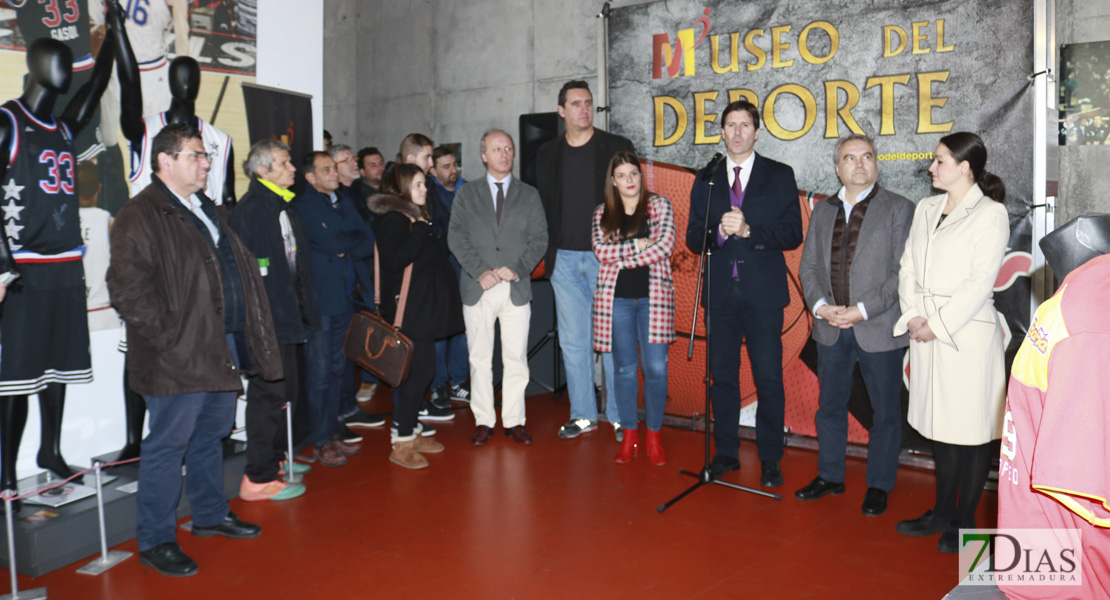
[[733, 321], [410, 393], [266, 436]]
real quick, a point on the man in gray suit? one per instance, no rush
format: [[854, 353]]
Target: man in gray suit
[[498, 233], [849, 274]]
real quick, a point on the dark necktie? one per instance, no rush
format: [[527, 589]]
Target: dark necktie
[[737, 196], [737, 189], [500, 201]]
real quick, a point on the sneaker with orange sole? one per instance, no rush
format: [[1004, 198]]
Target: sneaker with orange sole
[[272, 490]]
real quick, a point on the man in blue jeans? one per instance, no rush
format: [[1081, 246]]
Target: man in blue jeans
[[338, 238], [195, 307], [570, 175], [452, 360]]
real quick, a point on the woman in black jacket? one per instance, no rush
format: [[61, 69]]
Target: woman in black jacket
[[433, 309]]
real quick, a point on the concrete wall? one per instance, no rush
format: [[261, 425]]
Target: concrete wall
[[1084, 170], [450, 69]]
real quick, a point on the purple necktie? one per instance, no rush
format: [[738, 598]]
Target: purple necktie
[[500, 200], [736, 194], [737, 189]]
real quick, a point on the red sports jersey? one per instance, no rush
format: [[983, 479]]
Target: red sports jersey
[[1054, 472]]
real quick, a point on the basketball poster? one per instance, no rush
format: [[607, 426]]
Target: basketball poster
[[905, 74]]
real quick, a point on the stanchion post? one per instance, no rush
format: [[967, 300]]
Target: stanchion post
[[107, 559], [34, 594], [289, 440]]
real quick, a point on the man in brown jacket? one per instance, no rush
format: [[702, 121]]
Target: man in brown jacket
[[197, 316]]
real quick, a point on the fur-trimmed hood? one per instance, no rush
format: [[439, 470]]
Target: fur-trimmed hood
[[381, 204]]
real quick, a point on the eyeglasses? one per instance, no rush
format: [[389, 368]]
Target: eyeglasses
[[196, 155]]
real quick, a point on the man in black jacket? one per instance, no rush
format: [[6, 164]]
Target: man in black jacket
[[274, 233], [570, 175]]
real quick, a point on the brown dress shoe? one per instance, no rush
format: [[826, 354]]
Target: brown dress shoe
[[519, 434], [482, 435], [329, 455], [346, 447]]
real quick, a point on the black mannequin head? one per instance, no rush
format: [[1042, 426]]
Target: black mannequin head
[[50, 64], [184, 79], [1076, 242]]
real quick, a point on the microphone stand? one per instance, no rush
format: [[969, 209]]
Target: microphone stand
[[706, 259]]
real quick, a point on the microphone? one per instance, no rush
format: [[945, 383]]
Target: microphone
[[711, 168]]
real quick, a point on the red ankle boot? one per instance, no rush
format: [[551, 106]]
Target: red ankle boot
[[628, 446], [655, 449]]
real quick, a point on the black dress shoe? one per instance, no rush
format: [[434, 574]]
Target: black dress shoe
[[927, 524], [817, 488], [949, 542], [722, 464], [770, 476], [874, 502], [168, 559], [519, 434], [230, 527], [481, 435]]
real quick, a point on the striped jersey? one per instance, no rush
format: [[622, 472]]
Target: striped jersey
[[216, 143], [41, 221]]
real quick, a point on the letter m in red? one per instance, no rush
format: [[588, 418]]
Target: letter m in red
[[682, 54]]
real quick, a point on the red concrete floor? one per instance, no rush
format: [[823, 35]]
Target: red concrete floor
[[558, 519]]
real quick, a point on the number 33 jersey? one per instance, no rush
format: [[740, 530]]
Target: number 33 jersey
[[41, 220]]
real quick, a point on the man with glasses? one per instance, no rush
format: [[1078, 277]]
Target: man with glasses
[[193, 299], [346, 169]]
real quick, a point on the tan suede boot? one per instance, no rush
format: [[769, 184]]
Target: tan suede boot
[[405, 454], [428, 445]]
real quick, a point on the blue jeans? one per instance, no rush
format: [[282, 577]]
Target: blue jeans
[[631, 319], [574, 282], [452, 361], [324, 371], [882, 375], [189, 427]]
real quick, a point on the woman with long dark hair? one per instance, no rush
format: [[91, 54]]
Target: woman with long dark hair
[[957, 368], [432, 309], [633, 312]]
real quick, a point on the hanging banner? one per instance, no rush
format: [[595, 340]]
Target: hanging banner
[[278, 114], [905, 73]]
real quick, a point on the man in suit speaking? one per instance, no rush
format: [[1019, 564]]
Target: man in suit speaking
[[753, 215], [849, 274], [498, 233]]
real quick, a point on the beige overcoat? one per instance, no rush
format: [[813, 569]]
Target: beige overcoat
[[947, 275]]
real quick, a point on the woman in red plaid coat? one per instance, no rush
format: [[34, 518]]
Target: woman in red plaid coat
[[633, 237]]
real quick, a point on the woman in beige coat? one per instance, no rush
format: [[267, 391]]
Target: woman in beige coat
[[957, 365]]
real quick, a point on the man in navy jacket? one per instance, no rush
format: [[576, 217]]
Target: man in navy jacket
[[338, 238], [753, 215]]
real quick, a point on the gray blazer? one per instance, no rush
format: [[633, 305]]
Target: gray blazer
[[480, 244], [874, 274]]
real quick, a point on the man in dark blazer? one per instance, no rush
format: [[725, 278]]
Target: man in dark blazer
[[753, 215], [849, 275], [570, 173], [498, 234]]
